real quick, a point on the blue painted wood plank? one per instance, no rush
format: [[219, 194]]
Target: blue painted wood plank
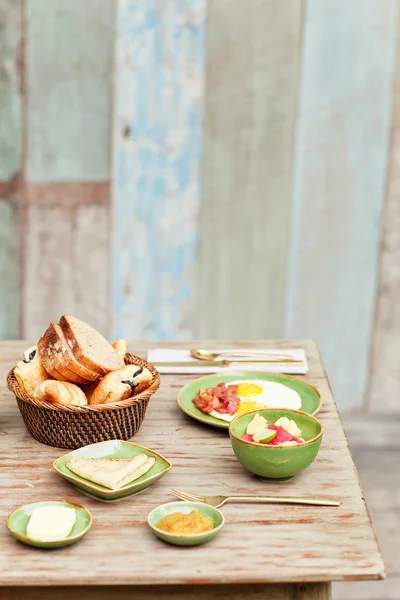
[[69, 75], [339, 185], [157, 148]]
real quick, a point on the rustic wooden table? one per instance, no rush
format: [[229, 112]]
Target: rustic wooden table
[[264, 551]]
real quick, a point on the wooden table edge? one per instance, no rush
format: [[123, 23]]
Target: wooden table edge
[[11, 583]]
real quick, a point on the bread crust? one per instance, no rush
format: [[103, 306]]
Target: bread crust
[[110, 362], [54, 365], [54, 339], [121, 385], [54, 374], [121, 347], [31, 373]]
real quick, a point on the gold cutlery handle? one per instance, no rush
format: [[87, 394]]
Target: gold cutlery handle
[[286, 500], [269, 361], [224, 363], [259, 355]]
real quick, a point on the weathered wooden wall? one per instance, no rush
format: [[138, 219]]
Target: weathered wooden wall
[[10, 165], [339, 181], [252, 78], [384, 391], [221, 168], [55, 120]]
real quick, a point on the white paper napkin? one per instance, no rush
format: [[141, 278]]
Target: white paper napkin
[[163, 355]]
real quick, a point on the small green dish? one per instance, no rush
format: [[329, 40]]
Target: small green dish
[[112, 449], [311, 400], [188, 539], [276, 463], [17, 522]]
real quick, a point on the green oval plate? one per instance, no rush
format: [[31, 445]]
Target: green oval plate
[[17, 522], [311, 400], [188, 539]]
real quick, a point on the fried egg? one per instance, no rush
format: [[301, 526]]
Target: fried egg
[[257, 394]]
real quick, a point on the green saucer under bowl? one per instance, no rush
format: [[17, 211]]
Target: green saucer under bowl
[[17, 522], [191, 539]]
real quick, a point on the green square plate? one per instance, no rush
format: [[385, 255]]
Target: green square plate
[[112, 449], [311, 400]]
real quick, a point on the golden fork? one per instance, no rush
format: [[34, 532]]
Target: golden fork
[[218, 501]]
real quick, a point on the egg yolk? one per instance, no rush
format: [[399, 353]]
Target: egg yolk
[[247, 390], [246, 406]]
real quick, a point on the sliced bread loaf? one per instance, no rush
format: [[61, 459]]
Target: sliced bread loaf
[[89, 347], [54, 338], [53, 363], [49, 365]]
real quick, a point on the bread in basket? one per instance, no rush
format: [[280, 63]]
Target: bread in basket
[[74, 425]]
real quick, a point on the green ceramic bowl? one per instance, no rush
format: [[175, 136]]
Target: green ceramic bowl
[[191, 539], [17, 522], [276, 462]]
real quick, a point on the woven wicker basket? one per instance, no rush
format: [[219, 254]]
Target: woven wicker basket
[[76, 426]]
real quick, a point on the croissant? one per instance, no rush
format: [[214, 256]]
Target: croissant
[[30, 372], [60, 392], [121, 384], [121, 347]]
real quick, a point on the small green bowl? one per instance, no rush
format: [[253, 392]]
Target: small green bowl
[[186, 539], [276, 462], [18, 519]]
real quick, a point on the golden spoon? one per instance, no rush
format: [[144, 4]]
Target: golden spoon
[[207, 355]]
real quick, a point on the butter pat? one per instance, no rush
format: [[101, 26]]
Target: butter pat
[[50, 523]]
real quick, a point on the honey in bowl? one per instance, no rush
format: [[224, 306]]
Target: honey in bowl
[[181, 523]]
